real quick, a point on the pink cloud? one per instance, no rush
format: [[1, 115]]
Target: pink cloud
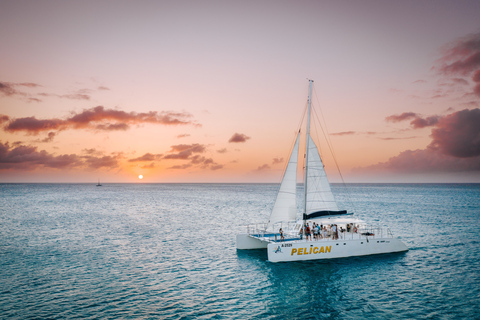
[[458, 134], [191, 153], [98, 118], [22, 157], [185, 151], [455, 147], [264, 167], [99, 162], [7, 89], [277, 161], [147, 157], [401, 117], [344, 133], [463, 58], [417, 122], [33, 125], [28, 158], [427, 160], [4, 118], [238, 138]]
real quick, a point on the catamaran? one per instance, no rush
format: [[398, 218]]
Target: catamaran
[[323, 231]]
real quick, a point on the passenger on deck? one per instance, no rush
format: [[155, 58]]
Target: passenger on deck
[[308, 232], [281, 234], [315, 231], [334, 232], [301, 233]]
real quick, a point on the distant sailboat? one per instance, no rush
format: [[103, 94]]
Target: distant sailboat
[[99, 184], [337, 233]]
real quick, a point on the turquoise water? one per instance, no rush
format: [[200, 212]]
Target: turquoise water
[[167, 251]]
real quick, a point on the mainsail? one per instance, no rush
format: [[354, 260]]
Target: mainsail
[[285, 208]]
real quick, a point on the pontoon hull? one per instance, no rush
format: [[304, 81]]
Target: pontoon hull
[[316, 250], [245, 242]]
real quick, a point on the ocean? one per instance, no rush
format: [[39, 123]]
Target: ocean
[[167, 251]]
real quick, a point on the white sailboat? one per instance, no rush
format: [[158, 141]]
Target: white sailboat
[[338, 235]]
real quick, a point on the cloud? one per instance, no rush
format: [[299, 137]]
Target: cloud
[[76, 96], [183, 166], [99, 162], [192, 152], [147, 157], [28, 158], [460, 81], [33, 125], [419, 81], [417, 122], [98, 118], [238, 137], [22, 157], [344, 133], [216, 167], [425, 161], [223, 150], [458, 134], [183, 135], [50, 137], [391, 138], [401, 117], [455, 147], [277, 161], [149, 166], [264, 167], [7, 89], [463, 58], [4, 118], [185, 151]]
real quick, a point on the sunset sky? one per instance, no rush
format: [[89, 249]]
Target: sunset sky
[[213, 91]]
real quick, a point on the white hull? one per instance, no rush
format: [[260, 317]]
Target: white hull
[[321, 249], [245, 242]]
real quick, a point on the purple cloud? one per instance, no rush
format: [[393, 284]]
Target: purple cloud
[[238, 138]]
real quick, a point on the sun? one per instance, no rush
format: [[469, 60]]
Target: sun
[[140, 177]]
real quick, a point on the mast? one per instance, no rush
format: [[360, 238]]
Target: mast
[[306, 149]]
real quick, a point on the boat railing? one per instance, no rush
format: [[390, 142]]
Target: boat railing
[[290, 232], [364, 232], [263, 230]]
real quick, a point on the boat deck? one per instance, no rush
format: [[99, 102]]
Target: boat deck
[[364, 233]]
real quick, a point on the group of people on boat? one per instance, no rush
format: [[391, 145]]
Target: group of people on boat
[[319, 231]]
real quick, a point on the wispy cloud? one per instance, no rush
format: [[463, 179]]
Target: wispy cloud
[[264, 167], [455, 147], [147, 157], [417, 122], [343, 133], [191, 153], [22, 157], [277, 161], [462, 58], [98, 118]]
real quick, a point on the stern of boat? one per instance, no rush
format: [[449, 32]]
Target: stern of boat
[[246, 241]]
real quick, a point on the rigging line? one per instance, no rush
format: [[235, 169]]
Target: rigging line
[[329, 144], [327, 136]]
